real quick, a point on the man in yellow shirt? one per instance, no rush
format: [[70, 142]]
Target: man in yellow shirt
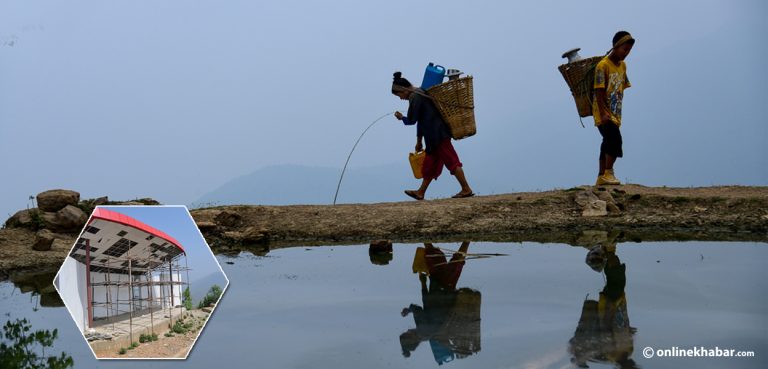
[[610, 83]]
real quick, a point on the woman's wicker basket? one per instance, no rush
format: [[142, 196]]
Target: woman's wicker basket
[[580, 76], [455, 101]]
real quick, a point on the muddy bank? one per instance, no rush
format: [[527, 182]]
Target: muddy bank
[[638, 213], [634, 214]]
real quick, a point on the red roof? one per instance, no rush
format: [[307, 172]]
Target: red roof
[[113, 216]]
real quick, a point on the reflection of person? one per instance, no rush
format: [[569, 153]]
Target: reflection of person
[[431, 126], [610, 83], [450, 317], [603, 333]]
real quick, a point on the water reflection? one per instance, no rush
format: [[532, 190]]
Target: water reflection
[[449, 318], [40, 287], [604, 334], [21, 344]]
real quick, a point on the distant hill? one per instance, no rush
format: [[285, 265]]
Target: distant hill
[[298, 184]]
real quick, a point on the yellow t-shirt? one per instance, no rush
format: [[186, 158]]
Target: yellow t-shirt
[[613, 78]]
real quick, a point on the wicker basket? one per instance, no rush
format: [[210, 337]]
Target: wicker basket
[[580, 76], [456, 103]]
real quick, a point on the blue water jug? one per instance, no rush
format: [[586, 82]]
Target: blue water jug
[[433, 76]]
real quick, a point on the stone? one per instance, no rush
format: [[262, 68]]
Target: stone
[[206, 226], [70, 219], [254, 235], [596, 208], [55, 200], [43, 240], [22, 219], [585, 197], [207, 309], [228, 219], [101, 201]]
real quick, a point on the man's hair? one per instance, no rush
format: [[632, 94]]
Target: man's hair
[[618, 37]]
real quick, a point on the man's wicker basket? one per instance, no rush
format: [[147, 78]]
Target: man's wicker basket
[[455, 101], [580, 76]]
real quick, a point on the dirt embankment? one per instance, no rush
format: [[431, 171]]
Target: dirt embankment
[[637, 213], [631, 213]]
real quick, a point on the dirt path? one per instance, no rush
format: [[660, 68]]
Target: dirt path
[[737, 213], [177, 346], [644, 213]]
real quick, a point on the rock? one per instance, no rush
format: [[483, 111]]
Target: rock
[[612, 208], [606, 196], [249, 236], [591, 205], [101, 201], [380, 246], [228, 219], [70, 219], [55, 200], [585, 197], [92, 335], [43, 240], [254, 235], [596, 208], [207, 309], [206, 226], [22, 219]]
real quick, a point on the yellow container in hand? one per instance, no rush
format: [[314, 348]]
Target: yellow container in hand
[[417, 160]]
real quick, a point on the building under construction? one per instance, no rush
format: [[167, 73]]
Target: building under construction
[[123, 278]]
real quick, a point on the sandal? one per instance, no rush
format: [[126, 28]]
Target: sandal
[[413, 194], [463, 195]]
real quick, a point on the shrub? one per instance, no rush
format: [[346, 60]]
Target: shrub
[[211, 297]]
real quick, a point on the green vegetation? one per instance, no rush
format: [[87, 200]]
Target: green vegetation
[[147, 338], [182, 327], [133, 345], [122, 351], [19, 344], [186, 299], [37, 220], [211, 297]]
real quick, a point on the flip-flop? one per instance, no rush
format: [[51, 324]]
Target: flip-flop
[[462, 196], [414, 195]]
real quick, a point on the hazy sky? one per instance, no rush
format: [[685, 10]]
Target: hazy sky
[[171, 99]]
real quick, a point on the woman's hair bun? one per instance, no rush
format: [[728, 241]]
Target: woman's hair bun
[[397, 75]]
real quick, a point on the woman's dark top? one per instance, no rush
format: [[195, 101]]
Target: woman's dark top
[[429, 122]]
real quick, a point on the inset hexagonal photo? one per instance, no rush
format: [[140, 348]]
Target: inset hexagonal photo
[[140, 282]]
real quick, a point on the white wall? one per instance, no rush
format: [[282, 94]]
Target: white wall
[[118, 297], [71, 285]]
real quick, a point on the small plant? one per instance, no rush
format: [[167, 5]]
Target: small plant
[[147, 338], [133, 345], [122, 351], [168, 334], [187, 299], [179, 327], [211, 297], [37, 220]]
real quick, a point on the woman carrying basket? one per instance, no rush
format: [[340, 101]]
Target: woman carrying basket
[[430, 126]]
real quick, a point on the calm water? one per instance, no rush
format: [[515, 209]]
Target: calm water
[[539, 306]]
